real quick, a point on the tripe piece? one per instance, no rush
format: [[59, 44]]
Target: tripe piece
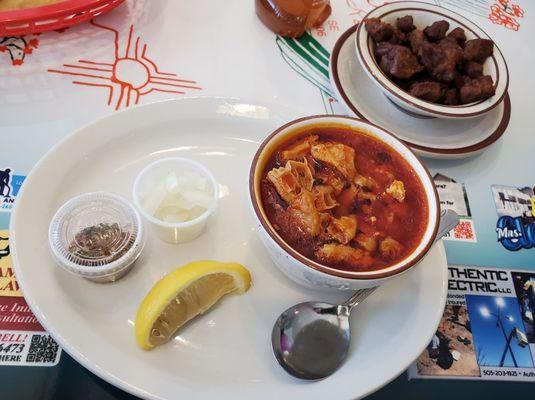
[[336, 155]]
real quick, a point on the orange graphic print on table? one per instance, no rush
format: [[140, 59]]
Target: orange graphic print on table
[[357, 10], [376, 3], [503, 13], [132, 74]]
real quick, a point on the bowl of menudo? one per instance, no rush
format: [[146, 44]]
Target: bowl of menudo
[[341, 203]]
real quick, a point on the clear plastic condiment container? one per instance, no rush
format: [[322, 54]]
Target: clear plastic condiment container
[[97, 235], [146, 186]]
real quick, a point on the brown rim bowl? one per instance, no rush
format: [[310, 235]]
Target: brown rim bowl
[[276, 243], [425, 14]]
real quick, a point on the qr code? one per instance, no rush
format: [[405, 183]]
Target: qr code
[[463, 232], [43, 349]]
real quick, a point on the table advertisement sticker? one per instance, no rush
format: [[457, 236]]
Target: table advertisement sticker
[[487, 330], [452, 196], [23, 341]]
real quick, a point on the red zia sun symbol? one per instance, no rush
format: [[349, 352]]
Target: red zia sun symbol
[[129, 77]]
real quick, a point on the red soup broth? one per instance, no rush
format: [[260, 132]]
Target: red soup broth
[[378, 215]]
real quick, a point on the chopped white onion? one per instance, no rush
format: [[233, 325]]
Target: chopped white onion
[[180, 197], [198, 198], [154, 198]]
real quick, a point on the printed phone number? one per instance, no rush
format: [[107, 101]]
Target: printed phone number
[[514, 374], [11, 348]]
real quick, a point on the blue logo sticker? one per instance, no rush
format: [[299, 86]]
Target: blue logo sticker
[[9, 188], [515, 228], [514, 234]]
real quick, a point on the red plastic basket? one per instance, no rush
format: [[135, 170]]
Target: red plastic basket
[[54, 16]]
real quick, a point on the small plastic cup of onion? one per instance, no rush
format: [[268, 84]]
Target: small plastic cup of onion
[[176, 196]]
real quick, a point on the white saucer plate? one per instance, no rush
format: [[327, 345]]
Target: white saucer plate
[[226, 353], [429, 137]]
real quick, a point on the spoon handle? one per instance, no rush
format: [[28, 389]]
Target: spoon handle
[[360, 295]]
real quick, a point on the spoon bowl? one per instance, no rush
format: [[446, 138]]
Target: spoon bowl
[[311, 325], [311, 340]]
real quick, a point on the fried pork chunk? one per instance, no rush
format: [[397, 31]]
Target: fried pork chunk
[[441, 59], [398, 37], [405, 24], [428, 91], [400, 63], [382, 49], [378, 30], [478, 50], [477, 89], [416, 39], [452, 97], [458, 35], [437, 30], [473, 69]]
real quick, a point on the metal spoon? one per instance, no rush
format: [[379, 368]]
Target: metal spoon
[[311, 340]]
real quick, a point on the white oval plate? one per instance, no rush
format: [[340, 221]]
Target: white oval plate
[[226, 353], [430, 137]]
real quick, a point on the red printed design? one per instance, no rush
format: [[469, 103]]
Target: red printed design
[[331, 25], [503, 13], [376, 3], [17, 47], [15, 315], [131, 75], [357, 12]]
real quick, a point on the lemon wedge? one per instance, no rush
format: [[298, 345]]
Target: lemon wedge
[[182, 295]]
